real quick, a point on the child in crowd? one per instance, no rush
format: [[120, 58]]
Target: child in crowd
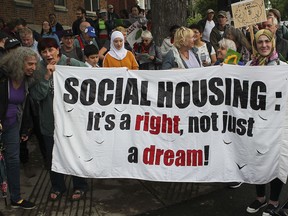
[[91, 55]]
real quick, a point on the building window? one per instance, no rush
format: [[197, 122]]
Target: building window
[[59, 2], [92, 5], [23, 3]]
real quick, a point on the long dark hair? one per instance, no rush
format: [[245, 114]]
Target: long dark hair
[[50, 28]]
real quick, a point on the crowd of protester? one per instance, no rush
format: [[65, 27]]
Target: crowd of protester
[[28, 59]]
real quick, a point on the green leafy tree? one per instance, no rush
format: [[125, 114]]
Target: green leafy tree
[[201, 6], [282, 6], [193, 20]]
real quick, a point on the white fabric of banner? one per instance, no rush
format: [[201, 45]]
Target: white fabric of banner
[[214, 124]]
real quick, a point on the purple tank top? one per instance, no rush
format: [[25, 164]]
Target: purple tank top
[[16, 98]]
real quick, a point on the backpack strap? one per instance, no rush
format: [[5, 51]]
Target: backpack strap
[[80, 42]]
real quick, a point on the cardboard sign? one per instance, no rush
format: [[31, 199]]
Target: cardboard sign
[[248, 12], [134, 33]]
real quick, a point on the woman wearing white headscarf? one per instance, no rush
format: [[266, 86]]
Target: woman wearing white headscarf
[[118, 56]]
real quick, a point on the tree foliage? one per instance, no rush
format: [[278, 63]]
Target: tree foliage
[[282, 6], [194, 19], [201, 6]]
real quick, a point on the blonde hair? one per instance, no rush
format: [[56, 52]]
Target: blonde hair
[[120, 28], [181, 35]]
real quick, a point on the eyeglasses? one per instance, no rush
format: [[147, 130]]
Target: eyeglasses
[[145, 40]]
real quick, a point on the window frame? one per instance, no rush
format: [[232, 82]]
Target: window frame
[[61, 5], [90, 10]]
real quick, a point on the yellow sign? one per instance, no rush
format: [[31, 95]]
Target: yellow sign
[[248, 12]]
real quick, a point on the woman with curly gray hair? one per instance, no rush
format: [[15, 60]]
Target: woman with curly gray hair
[[16, 70], [224, 46]]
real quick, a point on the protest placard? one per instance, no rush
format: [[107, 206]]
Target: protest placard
[[249, 12], [214, 124]]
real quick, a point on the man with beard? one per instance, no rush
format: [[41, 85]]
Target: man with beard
[[81, 17]]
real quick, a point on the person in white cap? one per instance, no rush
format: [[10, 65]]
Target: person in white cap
[[207, 25]]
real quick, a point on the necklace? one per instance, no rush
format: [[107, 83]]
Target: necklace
[[185, 54]]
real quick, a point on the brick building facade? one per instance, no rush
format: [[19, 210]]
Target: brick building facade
[[36, 11]]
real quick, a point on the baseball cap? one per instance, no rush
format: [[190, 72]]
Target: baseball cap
[[67, 33], [11, 43], [110, 6], [90, 31], [210, 11], [222, 13]]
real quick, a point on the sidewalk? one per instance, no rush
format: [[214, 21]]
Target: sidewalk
[[106, 197]]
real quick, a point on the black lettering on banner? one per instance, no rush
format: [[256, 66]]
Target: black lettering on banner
[[241, 130], [231, 123], [94, 119], [241, 94], [214, 118], [110, 123], [133, 156], [182, 95], [131, 93], [228, 91], [144, 91], [125, 122], [73, 96], [199, 90], [165, 93], [88, 88], [218, 98], [251, 122], [205, 123], [193, 124], [90, 121], [258, 101], [105, 83], [239, 126], [119, 91]]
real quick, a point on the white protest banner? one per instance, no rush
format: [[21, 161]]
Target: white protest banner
[[134, 33], [213, 124], [248, 12]]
